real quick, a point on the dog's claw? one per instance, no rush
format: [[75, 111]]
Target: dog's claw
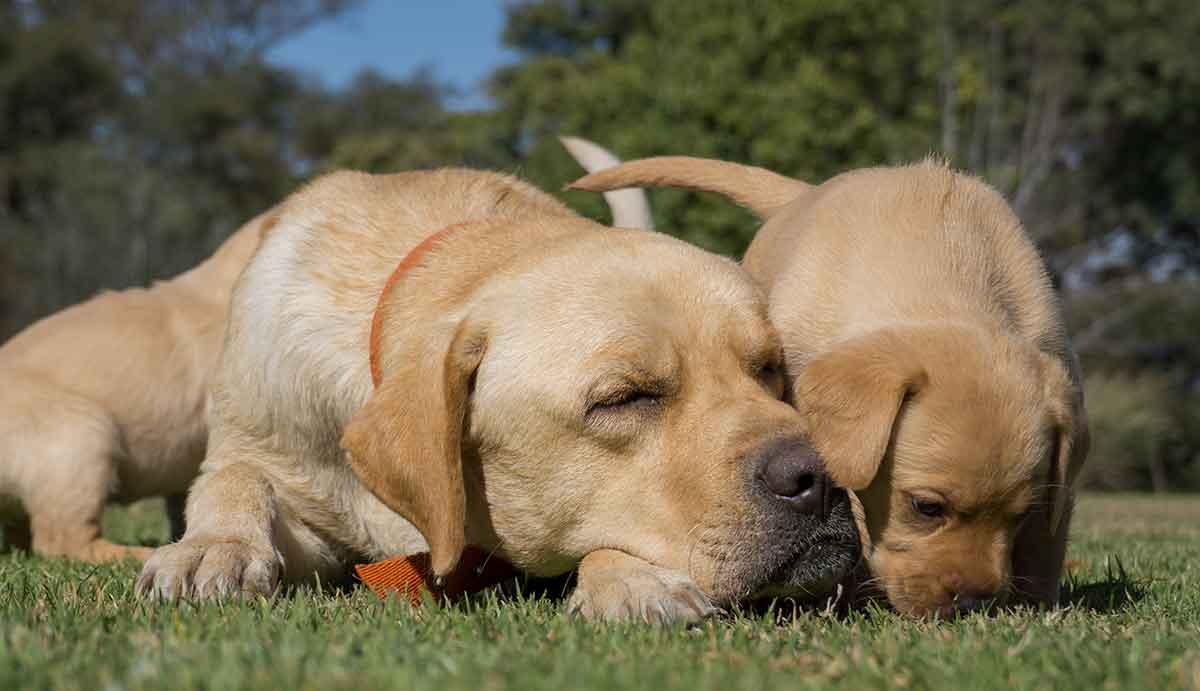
[[209, 570]]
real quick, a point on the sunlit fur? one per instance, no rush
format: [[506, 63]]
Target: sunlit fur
[[491, 351]]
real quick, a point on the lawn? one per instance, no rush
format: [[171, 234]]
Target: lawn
[[1133, 621]]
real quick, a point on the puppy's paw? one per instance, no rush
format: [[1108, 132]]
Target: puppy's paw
[[624, 588], [209, 569]]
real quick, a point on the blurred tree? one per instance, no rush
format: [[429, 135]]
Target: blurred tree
[[382, 125], [135, 135], [805, 88]]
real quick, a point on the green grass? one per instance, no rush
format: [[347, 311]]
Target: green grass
[[1133, 622]]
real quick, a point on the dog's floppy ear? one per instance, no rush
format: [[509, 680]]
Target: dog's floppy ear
[[405, 444], [757, 189], [851, 397], [1071, 434]]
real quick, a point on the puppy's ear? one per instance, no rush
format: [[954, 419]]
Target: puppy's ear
[[1071, 436], [405, 444], [851, 397], [757, 189]]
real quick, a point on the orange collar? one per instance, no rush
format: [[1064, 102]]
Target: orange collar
[[409, 576]]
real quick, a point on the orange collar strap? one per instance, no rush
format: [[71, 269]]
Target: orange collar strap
[[409, 576]]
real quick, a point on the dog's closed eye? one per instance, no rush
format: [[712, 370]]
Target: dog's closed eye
[[624, 401], [617, 413]]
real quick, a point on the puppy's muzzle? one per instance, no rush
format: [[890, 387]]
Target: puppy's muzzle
[[795, 477]]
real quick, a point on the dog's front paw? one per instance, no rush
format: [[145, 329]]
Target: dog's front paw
[[205, 569], [614, 586]]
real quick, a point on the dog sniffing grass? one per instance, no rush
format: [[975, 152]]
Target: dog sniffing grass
[[1132, 621]]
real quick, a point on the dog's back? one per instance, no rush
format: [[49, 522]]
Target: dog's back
[[913, 242], [302, 273]]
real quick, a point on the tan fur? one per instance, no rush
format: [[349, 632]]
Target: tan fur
[[105, 401], [761, 191], [925, 346], [491, 350]]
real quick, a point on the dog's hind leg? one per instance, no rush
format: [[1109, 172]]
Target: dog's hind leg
[[68, 477]]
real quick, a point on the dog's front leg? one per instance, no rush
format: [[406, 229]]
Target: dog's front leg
[[228, 548], [615, 586]]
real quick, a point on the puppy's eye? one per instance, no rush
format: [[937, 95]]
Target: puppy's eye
[[929, 509], [629, 400]]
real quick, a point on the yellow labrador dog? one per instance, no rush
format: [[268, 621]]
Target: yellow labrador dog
[[105, 401], [432, 360], [925, 348]]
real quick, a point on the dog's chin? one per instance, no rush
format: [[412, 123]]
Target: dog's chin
[[809, 567], [814, 573]]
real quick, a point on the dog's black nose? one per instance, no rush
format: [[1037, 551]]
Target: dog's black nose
[[794, 472]]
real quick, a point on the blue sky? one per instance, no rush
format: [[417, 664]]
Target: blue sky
[[458, 39]]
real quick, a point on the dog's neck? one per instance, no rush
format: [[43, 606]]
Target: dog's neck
[[409, 576]]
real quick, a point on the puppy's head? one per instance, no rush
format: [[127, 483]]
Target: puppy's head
[[953, 439], [606, 389]]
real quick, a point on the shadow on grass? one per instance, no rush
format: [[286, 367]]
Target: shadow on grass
[[516, 588], [1116, 591]]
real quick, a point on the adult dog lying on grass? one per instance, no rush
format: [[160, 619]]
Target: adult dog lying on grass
[[925, 348], [105, 401], [452, 358]]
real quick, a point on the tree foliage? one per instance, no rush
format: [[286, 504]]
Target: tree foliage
[[134, 136], [807, 89]]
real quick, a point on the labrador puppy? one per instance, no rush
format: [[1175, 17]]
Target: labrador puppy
[[925, 348], [430, 360], [105, 401]]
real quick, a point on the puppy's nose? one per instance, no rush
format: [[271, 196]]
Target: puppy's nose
[[794, 472]]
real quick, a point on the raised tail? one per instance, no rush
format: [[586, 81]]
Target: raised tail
[[630, 208], [757, 189]]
